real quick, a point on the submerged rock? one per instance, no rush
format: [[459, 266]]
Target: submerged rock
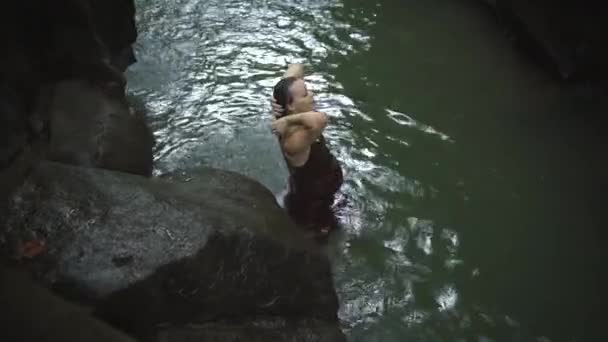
[[145, 251]]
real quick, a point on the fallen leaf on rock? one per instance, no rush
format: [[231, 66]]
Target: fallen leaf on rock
[[33, 248]]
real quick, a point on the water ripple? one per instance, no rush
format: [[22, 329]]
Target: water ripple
[[205, 72]]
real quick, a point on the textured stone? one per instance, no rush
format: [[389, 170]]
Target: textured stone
[[90, 128], [45, 43], [259, 330], [145, 251], [24, 303]]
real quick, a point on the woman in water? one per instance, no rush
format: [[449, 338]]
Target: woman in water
[[315, 174]]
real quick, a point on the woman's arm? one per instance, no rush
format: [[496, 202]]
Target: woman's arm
[[294, 70], [299, 131]]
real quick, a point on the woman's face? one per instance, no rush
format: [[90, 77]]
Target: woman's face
[[302, 98]]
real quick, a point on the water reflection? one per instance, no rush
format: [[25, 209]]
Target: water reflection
[[406, 120]]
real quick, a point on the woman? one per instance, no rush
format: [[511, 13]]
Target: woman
[[315, 174]]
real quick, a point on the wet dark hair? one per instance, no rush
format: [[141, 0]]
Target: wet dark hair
[[282, 94]]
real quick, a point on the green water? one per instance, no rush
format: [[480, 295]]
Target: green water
[[469, 211]]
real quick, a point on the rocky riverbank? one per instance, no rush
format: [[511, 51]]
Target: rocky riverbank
[[208, 257]]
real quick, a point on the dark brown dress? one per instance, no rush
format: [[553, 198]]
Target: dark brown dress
[[312, 187]]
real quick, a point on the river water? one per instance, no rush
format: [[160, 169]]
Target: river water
[[467, 208]]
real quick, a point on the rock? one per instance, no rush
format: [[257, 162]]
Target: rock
[[32, 313], [114, 22], [19, 147], [13, 129], [260, 330], [145, 251], [90, 128], [567, 34], [46, 42], [63, 40]]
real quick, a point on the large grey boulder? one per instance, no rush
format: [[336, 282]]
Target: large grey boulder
[[146, 251]]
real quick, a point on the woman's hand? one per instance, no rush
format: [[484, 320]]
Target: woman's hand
[[277, 110], [279, 126], [294, 70]]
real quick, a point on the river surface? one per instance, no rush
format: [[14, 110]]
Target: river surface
[[468, 211]]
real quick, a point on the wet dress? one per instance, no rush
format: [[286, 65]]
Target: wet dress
[[312, 187]]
